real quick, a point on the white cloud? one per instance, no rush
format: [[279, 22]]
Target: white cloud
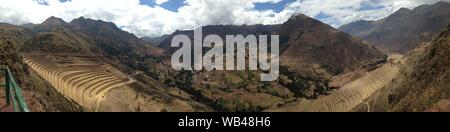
[[344, 11], [144, 20], [159, 2]]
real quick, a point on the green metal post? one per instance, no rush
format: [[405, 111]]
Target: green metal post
[[8, 87], [13, 97], [13, 92], [18, 99]]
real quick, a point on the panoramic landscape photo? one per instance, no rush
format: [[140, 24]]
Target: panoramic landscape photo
[[225, 56]]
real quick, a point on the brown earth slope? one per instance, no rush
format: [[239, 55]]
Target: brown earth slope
[[423, 84], [314, 49]]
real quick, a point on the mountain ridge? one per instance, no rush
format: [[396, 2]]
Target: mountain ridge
[[405, 29]]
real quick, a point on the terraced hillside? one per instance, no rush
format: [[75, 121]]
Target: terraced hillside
[[98, 86], [350, 95], [81, 78]]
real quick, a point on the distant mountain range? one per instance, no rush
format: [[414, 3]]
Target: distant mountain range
[[155, 40], [405, 29], [223, 30]]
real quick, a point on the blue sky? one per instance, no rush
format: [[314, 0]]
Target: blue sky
[[173, 5], [277, 7]]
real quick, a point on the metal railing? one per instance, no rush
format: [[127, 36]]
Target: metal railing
[[13, 92]]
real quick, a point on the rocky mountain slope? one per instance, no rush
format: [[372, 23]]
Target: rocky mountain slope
[[405, 29], [314, 49], [39, 94], [422, 84], [113, 40]]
